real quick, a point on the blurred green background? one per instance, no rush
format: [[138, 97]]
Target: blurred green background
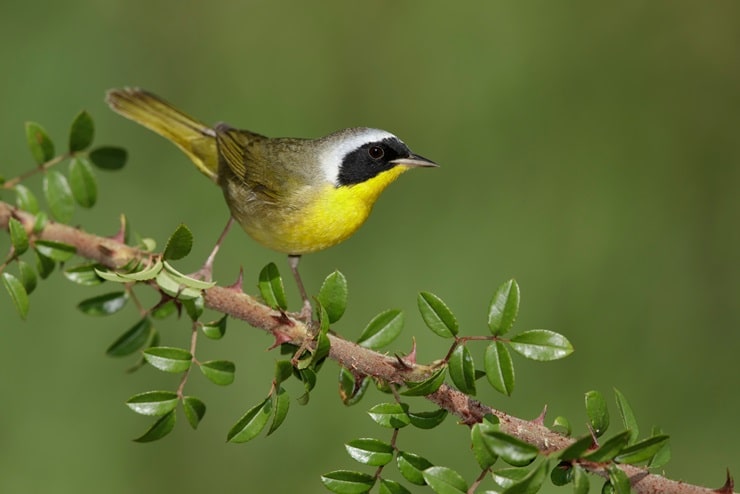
[[591, 151]]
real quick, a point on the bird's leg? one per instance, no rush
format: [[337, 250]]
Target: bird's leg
[[206, 272], [305, 314]]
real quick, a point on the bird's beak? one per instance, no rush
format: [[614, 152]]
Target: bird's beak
[[414, 160]]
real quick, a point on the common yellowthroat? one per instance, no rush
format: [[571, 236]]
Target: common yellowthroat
[[291, 195]]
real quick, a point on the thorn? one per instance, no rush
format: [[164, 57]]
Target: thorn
[[540, 420], [237, 286], [280, 338], [283, 319], [729, 486], [120, 236], [400, 363]]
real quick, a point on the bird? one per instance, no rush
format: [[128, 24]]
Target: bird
[[292, 195]]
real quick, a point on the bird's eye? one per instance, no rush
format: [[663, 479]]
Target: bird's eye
[[375, 152]]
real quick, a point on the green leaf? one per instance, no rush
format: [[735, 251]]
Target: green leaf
[[350, 390], [577, 449], [598, 414], [391, 415], [172, 285], [462, 370], [164, 309], [108, 157], [348, 482], [644, 450], [382, 330], [392, 487], [104, 305], [58, 196], [168, 359], [532, 482], [82, 182], [610, 448], [145, 272], [427, 420], [251, 423], [161, 428], [499, 368], [219, 372], [131, 340], [40, 222], [25, 199], [194, 409], [562, 474], [271, 287], [81, 132], [483, 454], [504, 308], [42, 149], [580, 481], [28, 276], [17, 292], [508, 477], [55, 251], [18, 236], [283, 370], [444, 480], [215, 330], [179, 244], [437, 316], [619, 480], [561, 423], [510, 449], [541, 344], [155, 403], [333, 295], [412, 467], [627, 415], [663, 455], [44, 265], [281, 404], [427, 386], [84, 275], [194, 307], [369, 451]]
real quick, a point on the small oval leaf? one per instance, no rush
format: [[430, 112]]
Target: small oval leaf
[[643, 451], [627, 415], [104, 305], [427, 420], [391, 415], [504, 308], [598, 414], [168, 359], [27, 276], [444, 480], [18, 236], [17, 292], [154, 403], [510, 449], [179, 244], [499, 368], [82, 182], [437, 316], [610, 448], [462, 370], [56, 251], [333, 295], [348, 482], [369, 451], [159, 429], [382, 329], [392, 487], [84, 275], [81, 133], [219, 372], [412, 467], [281, 405], [42, 149], [108, 157], [194, 409], [58, 196], [271, 287], [25, 199], [131, 340], [215, 330], [542, 345], [251, 423]]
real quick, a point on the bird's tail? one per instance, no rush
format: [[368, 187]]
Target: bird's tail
[[196, 139]]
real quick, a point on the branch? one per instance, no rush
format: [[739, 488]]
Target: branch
[[360, 360]]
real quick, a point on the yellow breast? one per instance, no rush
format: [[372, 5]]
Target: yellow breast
[[332, 215]]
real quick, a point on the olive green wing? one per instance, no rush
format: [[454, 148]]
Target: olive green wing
[[244, 155]]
